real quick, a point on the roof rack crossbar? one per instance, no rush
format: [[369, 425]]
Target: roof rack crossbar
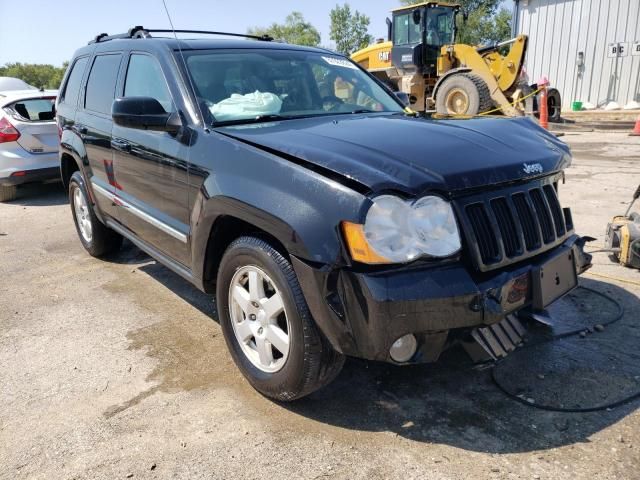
[[265, 38], [141, 32]]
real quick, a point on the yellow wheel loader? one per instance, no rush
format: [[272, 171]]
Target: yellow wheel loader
[[422, 60]]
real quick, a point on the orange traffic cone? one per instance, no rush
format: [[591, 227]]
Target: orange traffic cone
[[636, 130]]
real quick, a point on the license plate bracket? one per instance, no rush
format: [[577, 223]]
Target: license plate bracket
[[553, 279]]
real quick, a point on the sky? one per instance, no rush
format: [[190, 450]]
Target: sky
[[45, 31]]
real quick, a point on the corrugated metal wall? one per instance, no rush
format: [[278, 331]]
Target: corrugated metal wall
[[559, 29]]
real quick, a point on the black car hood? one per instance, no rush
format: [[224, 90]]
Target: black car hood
[[398, 152]]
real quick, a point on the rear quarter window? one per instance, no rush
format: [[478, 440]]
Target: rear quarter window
[[69, 93], [34, 109], [101, 84]]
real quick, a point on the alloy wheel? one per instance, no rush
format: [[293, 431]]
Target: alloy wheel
[[259, 318], [81, 208]]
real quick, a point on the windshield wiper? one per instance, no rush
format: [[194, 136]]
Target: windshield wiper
[[260, 118]]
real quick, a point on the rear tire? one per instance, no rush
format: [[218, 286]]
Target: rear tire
[[554, 103], [309, 362], [96, 238], [463, 94], [8, 193]]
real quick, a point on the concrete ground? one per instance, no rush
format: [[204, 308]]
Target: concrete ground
[[117, 369]]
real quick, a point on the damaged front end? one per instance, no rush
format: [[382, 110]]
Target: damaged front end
[[519, 255], [364, 314]]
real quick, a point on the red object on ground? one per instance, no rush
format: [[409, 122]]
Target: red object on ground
[[636, 130], [544, 108]]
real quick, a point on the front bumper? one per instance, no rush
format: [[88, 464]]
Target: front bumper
[[362, 314]]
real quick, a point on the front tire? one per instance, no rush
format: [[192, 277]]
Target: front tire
[[463, 94], [96, 238], [267, 325]]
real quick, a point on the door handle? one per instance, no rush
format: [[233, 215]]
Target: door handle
[[121, 145]]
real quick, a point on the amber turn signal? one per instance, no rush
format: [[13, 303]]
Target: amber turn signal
[[358, 246]]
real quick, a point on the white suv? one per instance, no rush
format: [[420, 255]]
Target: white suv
[[28, 139]]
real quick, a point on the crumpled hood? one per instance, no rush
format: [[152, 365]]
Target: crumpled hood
[[413, 154]]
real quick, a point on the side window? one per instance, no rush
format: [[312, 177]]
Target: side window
[[415, 32], [401, 29], [72, 88], [145, 79], [35, 109], [101, 85]]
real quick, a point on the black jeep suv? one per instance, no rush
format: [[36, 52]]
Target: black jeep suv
[[327, 219]]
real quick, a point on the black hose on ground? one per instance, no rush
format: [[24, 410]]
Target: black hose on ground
[[618, 316]]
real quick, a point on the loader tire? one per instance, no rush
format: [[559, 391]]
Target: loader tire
[[463, 94]]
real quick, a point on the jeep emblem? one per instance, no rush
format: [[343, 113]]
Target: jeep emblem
[[532, 168]]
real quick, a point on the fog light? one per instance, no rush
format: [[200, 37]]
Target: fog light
[[403, 348]]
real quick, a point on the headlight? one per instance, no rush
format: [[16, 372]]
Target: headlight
[[398, 231]]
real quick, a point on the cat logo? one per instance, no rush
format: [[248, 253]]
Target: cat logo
[[384, 56]]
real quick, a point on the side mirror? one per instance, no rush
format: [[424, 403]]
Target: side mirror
[[144, 113], [403, 97]]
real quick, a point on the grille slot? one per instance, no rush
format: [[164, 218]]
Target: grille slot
[[517, 224], [544, 216], [485, 236], [507, 226], [526, 217], [556, 211]]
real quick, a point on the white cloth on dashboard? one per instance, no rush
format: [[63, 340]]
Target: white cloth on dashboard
[[246, 106]]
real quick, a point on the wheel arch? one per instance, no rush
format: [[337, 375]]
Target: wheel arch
[[68, 165], [73, 156], [227, 219], [450, 73]]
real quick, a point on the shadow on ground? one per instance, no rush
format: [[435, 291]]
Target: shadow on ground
[[40, 195], [451, 402]]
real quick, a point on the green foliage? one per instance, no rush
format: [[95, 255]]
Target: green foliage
[[294, 30], [484, 23], [38, 75], [349, 29]]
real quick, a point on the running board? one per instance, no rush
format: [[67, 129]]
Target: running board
[[496, 341]]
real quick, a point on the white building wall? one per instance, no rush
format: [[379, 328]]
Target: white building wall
[[559, 30]]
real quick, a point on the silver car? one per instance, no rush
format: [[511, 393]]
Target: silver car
[[28, 139]]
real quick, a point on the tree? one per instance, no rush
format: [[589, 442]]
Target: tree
[[484, 22], [349, 30], [38, 75], [294, 30]]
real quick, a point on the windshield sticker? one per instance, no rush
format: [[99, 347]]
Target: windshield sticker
[[339, 62]]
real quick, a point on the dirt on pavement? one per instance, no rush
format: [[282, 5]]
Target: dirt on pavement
[[117, 368]]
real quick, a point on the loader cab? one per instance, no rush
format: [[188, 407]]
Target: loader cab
[[418, 34]]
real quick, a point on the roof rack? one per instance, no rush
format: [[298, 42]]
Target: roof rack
[[141, 32]]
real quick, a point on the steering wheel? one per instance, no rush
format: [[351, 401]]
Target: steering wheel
[[331, 103]]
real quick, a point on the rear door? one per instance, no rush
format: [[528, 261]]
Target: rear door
[[93, 124], [34, 118]]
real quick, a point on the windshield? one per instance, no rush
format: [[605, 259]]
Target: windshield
[[440, 26], [237, 85]]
